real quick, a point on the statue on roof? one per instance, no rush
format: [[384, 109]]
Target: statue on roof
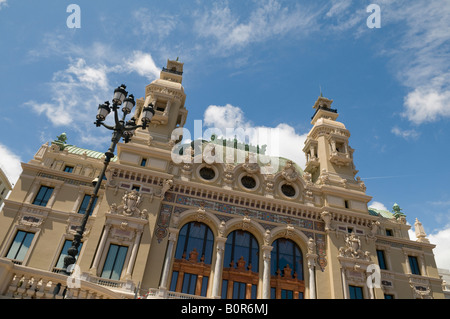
[[61, 141], [62, 138], [397, 211]]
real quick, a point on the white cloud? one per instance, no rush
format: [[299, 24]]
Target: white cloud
[[281, 140], [10, 164], [76, 91], [441, 239], [269, 19], [406, 134], [338, 7], [143, 64], [223, 117], [3, 3], [153, 23], [420, 56], [426, 105], [378, 205]]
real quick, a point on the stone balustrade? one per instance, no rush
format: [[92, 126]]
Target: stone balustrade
[[20, 282]]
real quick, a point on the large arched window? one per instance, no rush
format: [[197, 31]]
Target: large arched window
[[193, 257], [286, 270], [241, 263]]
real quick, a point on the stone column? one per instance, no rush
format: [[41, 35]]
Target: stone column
[[33, 192], [173, 234], [93, 270], [408, 267], [133, 254], [52, 199], [266, 271], [312, 278], [344, 283], [220, 248]]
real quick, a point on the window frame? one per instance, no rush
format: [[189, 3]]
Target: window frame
[[414, 266], [28, 249], [123, 266], [39, 202], [87, 198]]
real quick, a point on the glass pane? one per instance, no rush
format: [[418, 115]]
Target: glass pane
[[196, 236], [286, 252], [109, 263], [355, 292], [43, 196], [381, 261], [85, 203], [15, 246], [204, 286], [224, 288], [287, 294], [173, 283], [67, 245], [241, 244], [239, 290], [254, 287], [25, 245], [120, 261], [189, 284]]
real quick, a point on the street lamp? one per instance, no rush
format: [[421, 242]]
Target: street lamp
[[121, 129]]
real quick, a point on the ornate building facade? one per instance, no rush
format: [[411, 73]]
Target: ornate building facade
[[204, 229]]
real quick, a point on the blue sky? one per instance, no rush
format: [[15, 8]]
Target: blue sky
[[258, 64]]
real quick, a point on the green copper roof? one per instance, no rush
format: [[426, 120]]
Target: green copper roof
[[89, 153], [72, 149], [380, 212]]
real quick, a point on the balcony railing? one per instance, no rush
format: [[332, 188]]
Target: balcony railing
[[325, 109], [21, 282], [172, 71], [155, 293]]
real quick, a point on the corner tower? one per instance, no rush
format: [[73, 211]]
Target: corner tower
[[326, 147], [167, 96]]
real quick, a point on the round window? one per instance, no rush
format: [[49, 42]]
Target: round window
[[207, 173], [288, 190], [248, 182]]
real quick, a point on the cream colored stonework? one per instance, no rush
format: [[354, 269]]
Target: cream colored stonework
[[326, 216]]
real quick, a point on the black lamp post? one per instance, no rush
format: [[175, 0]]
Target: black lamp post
[[120, 130]]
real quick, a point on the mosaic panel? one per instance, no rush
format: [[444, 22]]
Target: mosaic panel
[[163, 222], [321, 251], [241, 211]]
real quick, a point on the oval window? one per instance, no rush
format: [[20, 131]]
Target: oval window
[[288, 190], [207, 173], [248, 182]]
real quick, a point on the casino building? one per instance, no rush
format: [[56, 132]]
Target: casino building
[[240, 228]]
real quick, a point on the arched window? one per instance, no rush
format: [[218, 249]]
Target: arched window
[[193, 257], [241, 263], [286, 270], [195, 236]]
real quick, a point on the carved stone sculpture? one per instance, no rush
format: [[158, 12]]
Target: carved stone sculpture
[[129, 206], [353, 249]]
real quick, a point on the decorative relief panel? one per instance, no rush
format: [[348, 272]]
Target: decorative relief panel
[[163, 221]]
